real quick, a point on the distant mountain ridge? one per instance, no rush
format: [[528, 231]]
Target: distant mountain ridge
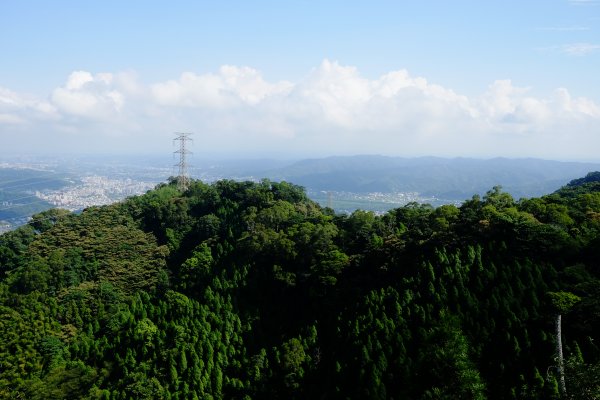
[[456, 178]]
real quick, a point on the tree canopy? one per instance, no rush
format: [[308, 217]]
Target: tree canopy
[[251, 290]]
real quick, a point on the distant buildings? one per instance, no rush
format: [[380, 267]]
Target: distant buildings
[[94, 191]]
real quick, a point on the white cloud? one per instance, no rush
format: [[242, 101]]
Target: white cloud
[[16, 108], [580, 49], [334, 109], [578, 107], [574, 28], [508, 107], [88, 95], [78, 79], [230, 86], [335, 97], [584, 2]]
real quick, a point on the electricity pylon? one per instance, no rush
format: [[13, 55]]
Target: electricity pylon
[[183, 180]]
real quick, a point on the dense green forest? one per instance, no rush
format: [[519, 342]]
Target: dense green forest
[[241, 290]]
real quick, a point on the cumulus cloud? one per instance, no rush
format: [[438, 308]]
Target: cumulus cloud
[[332, 110], [16, 108], [230, 86], [87, 95], [504, 100]]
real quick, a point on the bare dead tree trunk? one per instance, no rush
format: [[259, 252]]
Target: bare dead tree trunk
[[559, 351]]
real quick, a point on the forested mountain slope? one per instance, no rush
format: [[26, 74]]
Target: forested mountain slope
[[250, 290]]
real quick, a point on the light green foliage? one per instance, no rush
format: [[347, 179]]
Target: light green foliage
[[498, 199], [292, 358], [146, 331], [196, 270], [562, 302]]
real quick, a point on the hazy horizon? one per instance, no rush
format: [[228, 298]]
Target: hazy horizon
[[276, 157]]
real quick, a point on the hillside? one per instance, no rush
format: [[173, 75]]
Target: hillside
[[252, 291]]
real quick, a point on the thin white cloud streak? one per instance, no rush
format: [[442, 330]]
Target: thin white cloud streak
[[565, 29], [333, 110], [580, 49], [584, 2]]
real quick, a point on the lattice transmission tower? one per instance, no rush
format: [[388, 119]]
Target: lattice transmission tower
[[183, 179]]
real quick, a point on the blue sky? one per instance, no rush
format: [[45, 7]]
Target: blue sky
[[303, 78]]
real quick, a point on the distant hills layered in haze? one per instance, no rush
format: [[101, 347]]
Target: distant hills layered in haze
[[456, 178], [352, 179]]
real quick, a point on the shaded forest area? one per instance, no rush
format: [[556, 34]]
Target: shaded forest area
[[241, 290]]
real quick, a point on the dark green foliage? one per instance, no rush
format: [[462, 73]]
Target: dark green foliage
[[592, 177], [582, 379], [250, 290], [13, 246]]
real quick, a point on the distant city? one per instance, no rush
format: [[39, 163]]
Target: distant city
[[29, 185], [96, 183], [94, 191]]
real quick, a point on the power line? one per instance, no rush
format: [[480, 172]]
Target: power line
[[4, 188], [11, 199], [23, 205], [39, 179], [3, 200], [30, 217], [183, 179], [44, 174], [7, 195]]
